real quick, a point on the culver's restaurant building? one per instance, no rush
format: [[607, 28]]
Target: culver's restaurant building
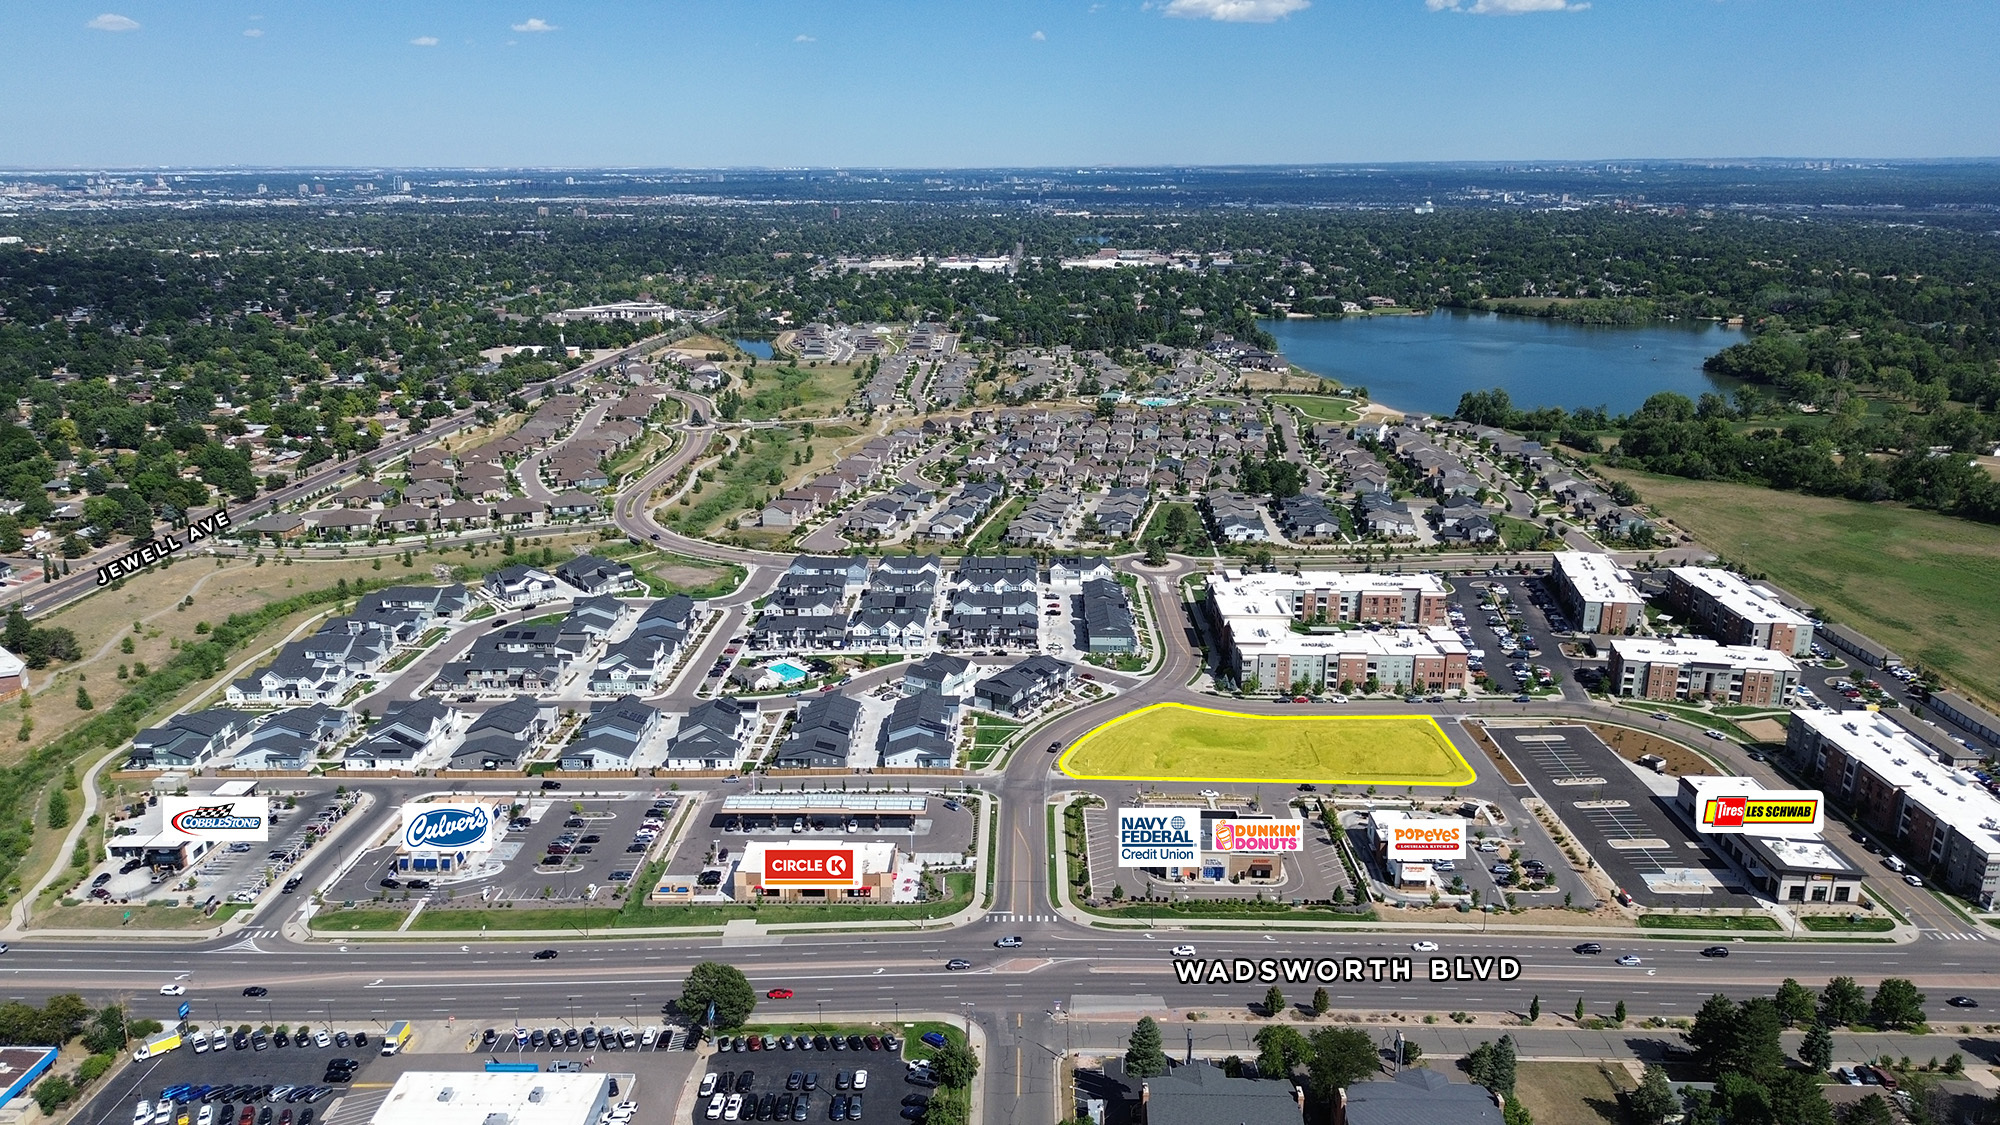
[[440, 838]]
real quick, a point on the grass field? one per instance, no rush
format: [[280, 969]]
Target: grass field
[[1176, 742], [1925, 585], [1319, 408], [1572, 1093]]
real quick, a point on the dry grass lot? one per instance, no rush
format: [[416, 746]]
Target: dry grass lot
[[1572, 1093], [1173, 741], [1926, 585]]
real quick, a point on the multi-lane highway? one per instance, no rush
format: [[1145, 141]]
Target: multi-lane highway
[[1025, 996]]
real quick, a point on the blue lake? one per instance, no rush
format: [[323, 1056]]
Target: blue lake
[[759, 348], [1424, 363]]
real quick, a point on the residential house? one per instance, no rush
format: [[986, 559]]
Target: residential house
[[1025, 686], [921, 732], [191, 741], [822, 736], [594, 575], [294, 739], [522, 585], [943, 675], [503, 736], [411, 732], [1107, 618], [714, 736], [614, 735]]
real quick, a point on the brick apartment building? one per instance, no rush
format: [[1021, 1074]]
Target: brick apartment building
[[1596, 593], [1941, 819], [1694, 669], [1735, 612]]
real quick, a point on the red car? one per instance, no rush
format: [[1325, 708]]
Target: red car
[[779, 994]]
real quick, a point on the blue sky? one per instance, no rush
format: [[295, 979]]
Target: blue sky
[[989, 82]]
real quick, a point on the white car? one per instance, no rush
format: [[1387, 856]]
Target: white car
[[1210, 794], [199, 1043], [715, 1106], [173, 990], [861, 1079], [733, 1109], [220, 1042], [163, 1113], [322, 1039], [1913, 880], [1425, 946], [708, 1085], [1629, 960], [206, 1116], [1182, 951], [141, 1114]]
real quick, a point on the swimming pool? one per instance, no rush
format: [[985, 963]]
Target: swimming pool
[[787, 671], [1159, 402]]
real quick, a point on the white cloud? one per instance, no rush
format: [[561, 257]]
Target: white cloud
[[1506, 7], [110, 22], [1236, 11], [1039, 37], [424, 41], [804, 38], [253, 33], [537, 23]]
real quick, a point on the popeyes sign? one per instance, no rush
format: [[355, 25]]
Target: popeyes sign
[[1414, 838], [810, 867]]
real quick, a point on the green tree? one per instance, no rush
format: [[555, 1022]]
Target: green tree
[[1514, 1113], [1280, 1048], [1796, 1099], [1897, 1004], [1340, 1058], [1871, 1110], [58, 808], [83, 701], [1619, 1012], [1796, 1003], [54, 1092], [1654, 1099], [1579, 1009], [725, 986], [1817, 1050], [1535, 1008], [1321, 1002], [1156, 552], [954, 1064], [1842, 1002], [1143, 1056], [1712, 1036], [1492, 1065], [1757, 1051], [1274, 1002]]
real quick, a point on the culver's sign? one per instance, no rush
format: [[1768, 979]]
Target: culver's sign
[[452, 828], [225, 819]]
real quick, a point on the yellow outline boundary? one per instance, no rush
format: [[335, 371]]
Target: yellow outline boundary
[[1471, 775]]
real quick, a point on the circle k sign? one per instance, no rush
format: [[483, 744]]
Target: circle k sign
[[809, 867]]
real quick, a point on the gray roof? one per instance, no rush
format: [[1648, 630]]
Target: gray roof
[[1201, 1094], [1420, 1097]]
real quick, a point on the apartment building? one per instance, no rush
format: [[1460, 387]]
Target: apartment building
[[1695, 669], [1266, 649], [1403, 599], [1736, 612], [1598, 596], [1941, 819]]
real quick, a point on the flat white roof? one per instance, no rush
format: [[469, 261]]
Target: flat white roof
[[433, 1097], [1752, 603], [1263, 636], [872, 856], [824, 802], [1596, 577], [1950, 795], [1283, 586], [1700, 650]]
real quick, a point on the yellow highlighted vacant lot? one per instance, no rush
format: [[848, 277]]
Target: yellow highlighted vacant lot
[[1177, 742]]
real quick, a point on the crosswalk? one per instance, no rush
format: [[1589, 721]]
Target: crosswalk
[[1940, 935], [1021, 918]]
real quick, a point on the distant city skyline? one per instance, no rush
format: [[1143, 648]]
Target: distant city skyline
[[1025, 83]]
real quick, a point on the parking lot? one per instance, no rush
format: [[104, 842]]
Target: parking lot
[[236, 872], [1640, 845], [557, 849], [783, 1082], [304, 1067]]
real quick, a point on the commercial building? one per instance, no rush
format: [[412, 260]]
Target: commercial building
[[877, 870], [1737, 612], [1598, 596], [19, 1067], [1197, 1093], [433, 1097], [1964, 712], [1695, 669], [1802, 869], [1940, 818], [1859, 646], [1332, 596]]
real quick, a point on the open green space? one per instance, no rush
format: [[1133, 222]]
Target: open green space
[[1708, 922], [1926, 585], [1177, 742], [785, 390], [1324, 408], [1193, 533], [745, 478], [1841, 924]]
